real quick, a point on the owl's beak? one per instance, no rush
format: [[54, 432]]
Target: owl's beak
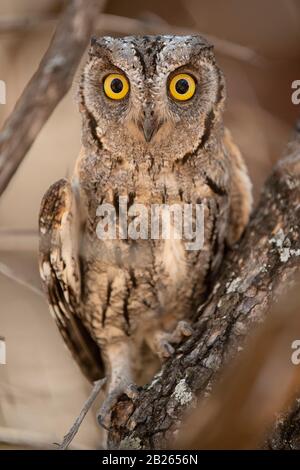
[[150, 126]]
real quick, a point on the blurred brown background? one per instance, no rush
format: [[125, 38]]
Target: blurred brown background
[[41, 389]]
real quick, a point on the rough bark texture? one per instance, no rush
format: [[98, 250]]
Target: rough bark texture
[[253, 275]]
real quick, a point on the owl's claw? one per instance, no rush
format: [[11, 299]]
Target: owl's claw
[[104, 413], [182, 330], [163, 341], [164, 349]]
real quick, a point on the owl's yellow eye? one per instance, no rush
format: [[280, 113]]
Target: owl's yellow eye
[[182, 87], [116, 86]]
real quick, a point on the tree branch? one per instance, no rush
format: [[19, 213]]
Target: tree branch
[[27, 439], [48, 85], [75, 427], [252, 276], [256, 386], [25, 23]]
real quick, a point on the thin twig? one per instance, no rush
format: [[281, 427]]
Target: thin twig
[[124, 25], [74, 429], [18, 232], [152, 24], [10, 274], [47, 87], [24, 438], [26, 23]]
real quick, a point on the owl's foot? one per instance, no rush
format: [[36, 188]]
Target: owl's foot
[[182, 330], [104, 413], [162, 341]]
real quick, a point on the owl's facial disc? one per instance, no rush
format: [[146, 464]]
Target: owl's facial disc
[[159, 95]]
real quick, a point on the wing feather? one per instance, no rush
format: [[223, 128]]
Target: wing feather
[[60, 272]]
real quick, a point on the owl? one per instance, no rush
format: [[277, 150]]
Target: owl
[[152, 137]]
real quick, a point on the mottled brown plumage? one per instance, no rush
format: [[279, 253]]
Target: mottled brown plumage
[[110, 297]]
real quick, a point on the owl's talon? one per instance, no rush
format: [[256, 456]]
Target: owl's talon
[[161, 342], [131, 391], [165, 350], [182, 330], [104, 413]]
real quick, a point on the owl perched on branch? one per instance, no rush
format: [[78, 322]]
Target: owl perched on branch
[[152, 136]]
